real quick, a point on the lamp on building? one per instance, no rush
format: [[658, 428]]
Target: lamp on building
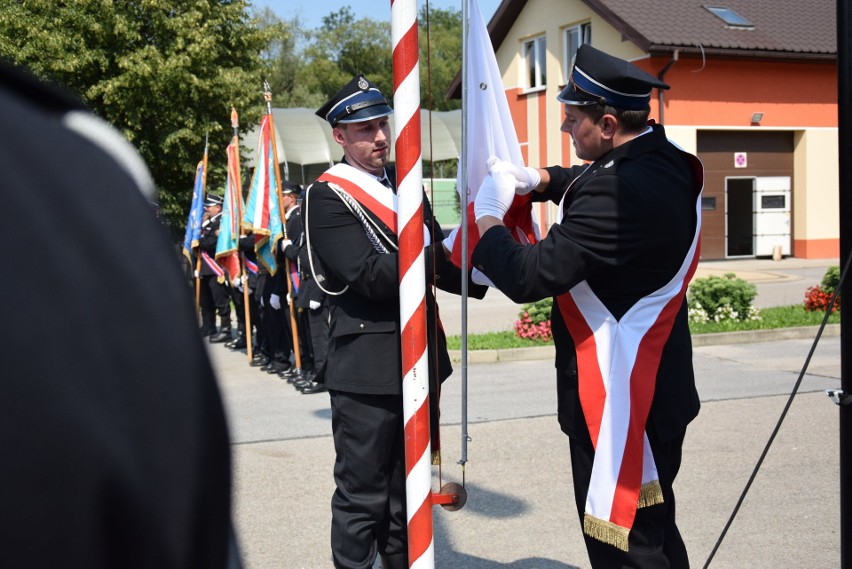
[[756, 118]]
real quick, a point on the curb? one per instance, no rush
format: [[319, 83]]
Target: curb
[[698, 341]]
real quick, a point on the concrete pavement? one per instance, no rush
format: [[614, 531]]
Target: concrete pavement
[[520, 512]]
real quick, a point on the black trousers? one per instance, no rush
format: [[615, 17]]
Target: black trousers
[[318, 321], [368, 507], [654, 541], [215, 294]]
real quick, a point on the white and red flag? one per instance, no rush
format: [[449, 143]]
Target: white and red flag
[[490, 132]]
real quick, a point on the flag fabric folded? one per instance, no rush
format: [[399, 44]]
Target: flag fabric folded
[[262, 214], [490, 132], [227, 245], [196, 212]]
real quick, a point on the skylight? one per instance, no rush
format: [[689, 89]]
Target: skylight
[[728, 16]]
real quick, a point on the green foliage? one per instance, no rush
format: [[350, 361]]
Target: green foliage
[[164, 73], [440, 57], [344, 47], [492, 341], [538, 311], [534, 321], [831, 280], [771, 318], [716, 298], [818, 298]]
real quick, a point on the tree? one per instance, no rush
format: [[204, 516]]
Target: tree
[[440, 56], [344, 47], [164, 73]]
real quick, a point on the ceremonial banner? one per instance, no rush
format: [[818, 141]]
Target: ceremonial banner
[[196, 211], [490, 132], [227, 254], [262, 215]]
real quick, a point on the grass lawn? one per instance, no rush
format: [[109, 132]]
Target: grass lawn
[[770, 318]]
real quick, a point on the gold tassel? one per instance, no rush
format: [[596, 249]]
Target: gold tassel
[[650, 494], [436, 458], [605, 531]]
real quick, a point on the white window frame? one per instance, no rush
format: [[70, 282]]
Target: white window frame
[[582, 31], [535, 79]]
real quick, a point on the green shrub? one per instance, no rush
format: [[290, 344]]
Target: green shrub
[[818, 297], [716, 299], [534, 321], [831, 280]]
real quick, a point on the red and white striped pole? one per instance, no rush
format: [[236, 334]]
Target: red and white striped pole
[[412, 285]]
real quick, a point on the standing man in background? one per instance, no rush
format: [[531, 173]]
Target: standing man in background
[[617, 264], [214, 291]]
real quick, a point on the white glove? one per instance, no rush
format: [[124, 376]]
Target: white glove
[[314, 304], [285, 243], [495, 196], [275, 302], [450, 239], [526, 179], [195, 274], [289, 300], [238, 283], [479, 278]]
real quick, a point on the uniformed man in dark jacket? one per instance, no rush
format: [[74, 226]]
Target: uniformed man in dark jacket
[[214, 289], [343, 213], [115, 446], [617, 265]]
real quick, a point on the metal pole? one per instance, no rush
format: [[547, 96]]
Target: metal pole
[[464, 194], [844, 27]]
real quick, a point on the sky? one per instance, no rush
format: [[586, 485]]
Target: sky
[[311, 12]]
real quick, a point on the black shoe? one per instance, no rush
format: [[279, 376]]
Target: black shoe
[[221, 337], [314, 387], [207, 330], [238, 344], [290, 374], [277, 367], [259, 360]]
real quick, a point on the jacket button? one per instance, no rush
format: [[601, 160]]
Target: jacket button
[[362, 326]]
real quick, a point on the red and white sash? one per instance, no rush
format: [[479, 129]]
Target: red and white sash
[[366, 189], [617, 365]]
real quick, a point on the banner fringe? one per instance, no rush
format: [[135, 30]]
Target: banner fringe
[[650, 494], [605, 531]]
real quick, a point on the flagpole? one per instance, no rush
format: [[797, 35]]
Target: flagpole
[[464, 196], [267, 94], [412, 293], [198, 256], [238, 183]]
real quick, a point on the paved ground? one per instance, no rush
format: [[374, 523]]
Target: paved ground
[[520, 513]]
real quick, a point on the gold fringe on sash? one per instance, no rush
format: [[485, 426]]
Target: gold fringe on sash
[[605, 531], [650, 494]]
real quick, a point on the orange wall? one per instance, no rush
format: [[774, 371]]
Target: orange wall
[[816, 248], [727, 92], [518, 109]]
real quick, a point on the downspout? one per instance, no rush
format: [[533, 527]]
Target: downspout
[[660, 77]]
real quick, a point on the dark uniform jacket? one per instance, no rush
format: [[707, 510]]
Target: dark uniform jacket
[[364, 354], [115, 444], [629, 220], [207, 242], [290, 254]]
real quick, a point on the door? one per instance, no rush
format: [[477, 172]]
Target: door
[[772, 215], [739, 217]]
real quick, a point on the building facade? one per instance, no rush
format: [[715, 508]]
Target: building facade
[[753, 94]]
